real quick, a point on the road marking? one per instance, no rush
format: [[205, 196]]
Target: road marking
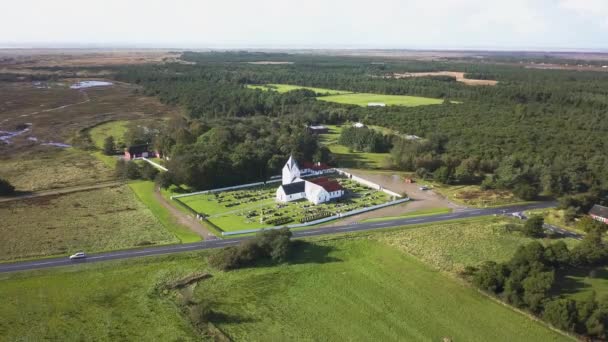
[[306, 233], [416, 220]]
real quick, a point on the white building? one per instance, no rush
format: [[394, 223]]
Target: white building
[[317, 190], [376, 104], [358, 125]]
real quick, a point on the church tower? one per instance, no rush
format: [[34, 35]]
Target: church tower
[[291, 171]]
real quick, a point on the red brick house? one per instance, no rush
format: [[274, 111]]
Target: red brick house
[[599, 213], [140, 151]]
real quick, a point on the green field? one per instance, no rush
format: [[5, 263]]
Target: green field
[[346, 157], [145, 192], [349, 97], [93, 221], [46, 167], [244, 209], [452, 245], [417, 213], [348, 288], [283, 88], [362, 99], [116, 129]]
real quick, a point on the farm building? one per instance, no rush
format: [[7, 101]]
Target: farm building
[[318, 129], [599, 213], [140, 151], [376, 104], [319, 190]]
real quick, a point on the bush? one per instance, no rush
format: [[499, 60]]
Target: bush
[[148, 171], [6, 188], [274, 244], [561, 313], [109, 146], [534, 227]]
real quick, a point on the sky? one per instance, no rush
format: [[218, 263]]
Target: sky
[[450, 24]]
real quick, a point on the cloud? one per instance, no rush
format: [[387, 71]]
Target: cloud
[[596, 10]]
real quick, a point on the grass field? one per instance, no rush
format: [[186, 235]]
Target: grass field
[[450, 246], [93, 221], [145, 192], [362, 99], [244, 208], [473, 195], [352, 159], [417, 213], [46, 167], [348, 97], [343, 288], [116, 129], [283, 88]]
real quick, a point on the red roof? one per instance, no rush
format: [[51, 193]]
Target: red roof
[[314, 166], [329, 185]]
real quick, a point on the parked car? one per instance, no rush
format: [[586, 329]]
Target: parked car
[[424, 188], [79, 255]]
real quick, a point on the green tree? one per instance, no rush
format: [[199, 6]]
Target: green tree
[[164, 179], [536, 287], [109, 146], [148, 171], [490, 277], [534, 226], [561, 313]]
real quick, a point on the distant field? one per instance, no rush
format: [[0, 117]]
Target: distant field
[[97, 220], [351, 288], [283, 88], [47, 167], [362, 99], [352, 159], [349, 97], [473, 195]]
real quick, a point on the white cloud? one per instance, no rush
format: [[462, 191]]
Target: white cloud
[[597, 10]]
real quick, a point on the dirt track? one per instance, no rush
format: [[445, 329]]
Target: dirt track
[[458, 75], [184, 219]]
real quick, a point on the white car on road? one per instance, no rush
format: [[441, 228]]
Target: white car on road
[[424, 188], [79, 255]]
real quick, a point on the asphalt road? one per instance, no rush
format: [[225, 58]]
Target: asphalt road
[[209, 244]]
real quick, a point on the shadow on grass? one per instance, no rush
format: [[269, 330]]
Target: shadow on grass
[[571, 280], [216, 317], [304, 252]]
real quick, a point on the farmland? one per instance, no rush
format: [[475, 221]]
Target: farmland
[[283, 88], [352, 98], [362, 99], [255, 207], [97, 220], [397, 297]]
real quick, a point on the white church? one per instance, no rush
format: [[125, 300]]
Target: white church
[[318, 190]]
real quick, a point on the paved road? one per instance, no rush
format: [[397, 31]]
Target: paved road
[[61, 191], [208, 244]]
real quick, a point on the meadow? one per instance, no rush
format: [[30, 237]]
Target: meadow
[[352, 98], [283, 88], [93, 221], [116, 129], [351, 287], [256, 207], [346, 157], [48, 167], [362, 99]]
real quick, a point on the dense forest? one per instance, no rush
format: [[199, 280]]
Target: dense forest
[[537, 131]]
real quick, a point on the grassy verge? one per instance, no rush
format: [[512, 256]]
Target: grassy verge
[[145, 192], [417, 213]]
